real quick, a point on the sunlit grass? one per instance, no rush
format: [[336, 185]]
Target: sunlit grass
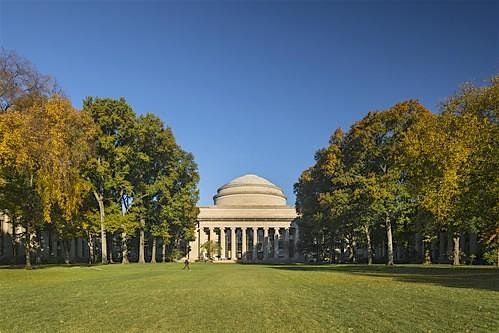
[[249, 298]]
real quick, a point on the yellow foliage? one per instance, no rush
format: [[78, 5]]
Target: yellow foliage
[[48, 143]]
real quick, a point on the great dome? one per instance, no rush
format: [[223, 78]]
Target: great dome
[[249, 190]]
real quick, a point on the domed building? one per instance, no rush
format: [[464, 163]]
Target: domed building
[[251, 222]]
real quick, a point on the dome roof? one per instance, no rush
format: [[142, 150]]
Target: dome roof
[[250, 180], [250, 190]]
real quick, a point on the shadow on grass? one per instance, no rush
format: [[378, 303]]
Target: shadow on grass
[[447, 276], [48, 266]]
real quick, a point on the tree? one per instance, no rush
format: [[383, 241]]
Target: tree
[[152, 176], [124, 222], [365, 211], [372, 150], [109, 169], [309, 220], [477, 207], [42, 151], [19, 81], [439, 150], [178, 204], [160, 230], [325, 202], [211, 247]]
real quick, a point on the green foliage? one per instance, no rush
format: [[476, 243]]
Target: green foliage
[[117, 221], [406, 166], [358, 181], [109, 168], [140, 174]]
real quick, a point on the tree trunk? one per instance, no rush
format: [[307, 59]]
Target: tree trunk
[[27, 247], [456, 251], [13, 239], [342, 253], [163, 252], [369, 247], [389, 240], [2, 238], [66, 247], [38, 247], [100, 201], [111, 248], [142, 259], [331, 250], [124, 248], [90, 245], [153, 258], [353, 248], [426, 250]]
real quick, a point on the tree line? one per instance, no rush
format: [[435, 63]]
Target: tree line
[[102, 171], [406, 170]]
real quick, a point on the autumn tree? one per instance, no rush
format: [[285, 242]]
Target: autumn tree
[[358, 180], [325, 202], [20, 82], [42, 151], [452, 165], [373, 147], [307, 206], [473, 114]]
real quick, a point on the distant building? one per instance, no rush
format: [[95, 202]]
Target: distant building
[[250, 222]]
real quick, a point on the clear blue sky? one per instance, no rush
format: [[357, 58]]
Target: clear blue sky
[[256, 87]]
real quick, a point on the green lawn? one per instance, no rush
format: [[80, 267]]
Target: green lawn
[[249, 298]]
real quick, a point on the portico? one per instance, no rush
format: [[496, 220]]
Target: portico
[[249, 222]]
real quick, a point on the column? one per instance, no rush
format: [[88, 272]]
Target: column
[[418, 246], [434, 249], [276, 243], [211, 233], [450, 246], [202, 236], [54, 245], [286, 243], [233, 243], [84, 250], [442, 253], [472, 244], [244, 241], [79, 248], [72, 251], [222, 243], [255, 244], [297, 235], [195, 245], [462, 242], [265, 243], [2, 234], [212, 238], [202, 240]]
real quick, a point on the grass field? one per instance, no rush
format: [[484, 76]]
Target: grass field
[[249, 298]]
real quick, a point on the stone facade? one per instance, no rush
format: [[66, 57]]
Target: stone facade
[[250, 222], [47, 247]]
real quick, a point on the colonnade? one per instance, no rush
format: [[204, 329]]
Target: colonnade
[[250, 244]]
